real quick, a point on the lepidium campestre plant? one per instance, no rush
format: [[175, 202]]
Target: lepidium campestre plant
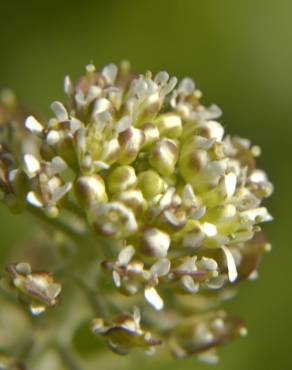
[[149, 219]]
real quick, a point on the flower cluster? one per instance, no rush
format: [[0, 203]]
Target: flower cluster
[[125, 333], [37, 288], [174, 203]]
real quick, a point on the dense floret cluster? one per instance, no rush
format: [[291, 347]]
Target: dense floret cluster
[[138, 164]]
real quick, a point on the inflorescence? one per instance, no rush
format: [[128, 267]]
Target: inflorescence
[[136, 166]]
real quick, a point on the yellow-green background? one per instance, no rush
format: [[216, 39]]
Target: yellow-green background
[[240, 55]]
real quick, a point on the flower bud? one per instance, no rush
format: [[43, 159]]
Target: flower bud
[[191, 162], [110, 151], [124, 333], [150, 183], [163, 157], [155, 243], [40, 288], [132, 199], [169, 125], [120, 179], [204, 333], [90, 190], [151, 133], [130, 142]]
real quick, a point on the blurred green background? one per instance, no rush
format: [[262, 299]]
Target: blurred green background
[[240, 55]]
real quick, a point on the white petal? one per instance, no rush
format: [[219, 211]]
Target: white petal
[[53, 137], [166, 199], [101, 106], [110, 72], [140, 88], [93, 93], [32, 163], [68, 87], [258, 176], [216, 130], [34, 199], [161, 267], [161, 78], [186, 86], [189, 284], [53, 290], [153, 298], [232, 271], [33, 125], [116, 279], [59, 193], [60, 111], [213, 112], [75, 124], [80, 98], [257, 215], [169, 86], [209, 229], [230, 184], [188, 196], [58, 165], [123, 124], [126, 254], [208, 264]]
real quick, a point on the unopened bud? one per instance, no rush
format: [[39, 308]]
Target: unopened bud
[[170, 125], [90, 190], [121, 178], [163, 157], [130, 140], [155, 243], [150, 183]]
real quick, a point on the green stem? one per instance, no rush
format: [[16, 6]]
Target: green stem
[[74, 208], [98, 306], [67, 358], [57, 224]]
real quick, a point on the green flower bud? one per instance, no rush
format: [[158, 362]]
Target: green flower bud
[[120, 179], [150, 183], [170, 125], [130, 142], [151, 133], [90, 190], [163, 157]]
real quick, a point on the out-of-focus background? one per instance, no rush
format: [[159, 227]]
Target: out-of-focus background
[[240, 55]]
